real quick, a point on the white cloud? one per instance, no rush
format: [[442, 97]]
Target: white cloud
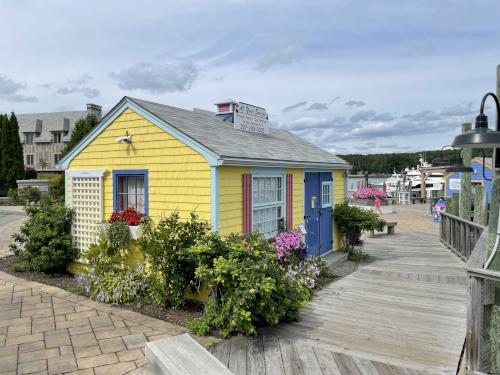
[[279, 56], [171, 76], [9, 91]]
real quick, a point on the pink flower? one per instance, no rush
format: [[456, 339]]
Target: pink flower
[[370, 193], [289, 245]]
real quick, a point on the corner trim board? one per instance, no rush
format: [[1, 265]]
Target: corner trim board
[[214, 197]]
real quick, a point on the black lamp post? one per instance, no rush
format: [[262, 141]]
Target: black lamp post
[[459, 165], [482, 136], [441, 160]]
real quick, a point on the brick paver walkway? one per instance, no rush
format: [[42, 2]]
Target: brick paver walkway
[[47, 330]]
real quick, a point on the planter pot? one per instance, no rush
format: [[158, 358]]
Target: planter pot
[[135, 231], [369, 202]]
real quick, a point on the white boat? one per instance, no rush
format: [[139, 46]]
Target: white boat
[[411, 179]]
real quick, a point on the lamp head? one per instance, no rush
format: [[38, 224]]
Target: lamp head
[[459, 167], [481, 136]]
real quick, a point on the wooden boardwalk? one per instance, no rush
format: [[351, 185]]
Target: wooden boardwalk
[[401, 312]]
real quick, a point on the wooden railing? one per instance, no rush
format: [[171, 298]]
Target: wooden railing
[[483, 313], [459, 235]]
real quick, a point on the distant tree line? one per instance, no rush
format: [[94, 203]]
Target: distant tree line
[[387, 163], [11, 153]]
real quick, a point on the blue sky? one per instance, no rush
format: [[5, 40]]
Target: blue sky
[[352, 76]]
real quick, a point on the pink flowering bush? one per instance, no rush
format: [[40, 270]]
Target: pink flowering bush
[[370, 193], [290, 246]]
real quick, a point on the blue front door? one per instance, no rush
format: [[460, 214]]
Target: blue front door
[[317, 219]]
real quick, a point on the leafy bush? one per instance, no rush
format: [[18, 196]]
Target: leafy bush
[[30, 173], [165, 247], [119, 237], [44, 240], [352, 220], [56, 186], [116, 285], [248, 287], [23, 196], [130, 216], [107, 279], [370, 193]]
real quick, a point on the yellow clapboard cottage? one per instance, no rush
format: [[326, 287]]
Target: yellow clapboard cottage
[[159, 158]]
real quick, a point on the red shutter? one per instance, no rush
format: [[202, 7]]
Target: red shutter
[[289, 201], [247, 203]]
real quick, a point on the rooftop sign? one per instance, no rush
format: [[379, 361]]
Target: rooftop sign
[[251, 118]]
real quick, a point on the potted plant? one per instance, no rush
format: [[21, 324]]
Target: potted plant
[[133, 218], [367, 196]]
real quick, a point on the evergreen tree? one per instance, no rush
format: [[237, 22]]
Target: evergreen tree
[[17, 158], [81, 129], [4, 153]]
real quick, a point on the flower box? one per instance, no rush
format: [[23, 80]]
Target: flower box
[[135, 231]]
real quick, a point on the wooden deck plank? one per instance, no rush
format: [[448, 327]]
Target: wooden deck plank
[[326, 361], [310, 364], [290, 357], [238, 356], [272, 355], [256, 363]]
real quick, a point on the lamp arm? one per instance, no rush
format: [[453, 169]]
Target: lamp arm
[[497, 103]]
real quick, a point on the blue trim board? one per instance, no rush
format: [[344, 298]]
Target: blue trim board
[[131, 172], [126, 103], [214, 197]]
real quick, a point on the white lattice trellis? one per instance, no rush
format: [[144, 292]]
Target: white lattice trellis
[[86, 201]]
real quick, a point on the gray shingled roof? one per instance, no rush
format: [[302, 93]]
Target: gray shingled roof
[[51, 122], [220, 137]]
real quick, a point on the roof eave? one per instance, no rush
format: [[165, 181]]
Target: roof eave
[[232, 161]]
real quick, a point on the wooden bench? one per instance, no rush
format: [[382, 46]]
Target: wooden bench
[[391, 229], [182, 355]]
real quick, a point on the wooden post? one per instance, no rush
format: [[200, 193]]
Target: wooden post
[[495, 199], [452, 204], [464, 208], [423, 181], [474, 324], [480, 205]]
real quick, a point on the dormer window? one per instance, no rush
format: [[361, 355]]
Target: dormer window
[[28, 138], [57, 137]]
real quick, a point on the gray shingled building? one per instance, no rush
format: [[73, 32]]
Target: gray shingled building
[[44, 135]]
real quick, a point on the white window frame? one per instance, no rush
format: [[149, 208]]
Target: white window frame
[[28, 157], [281, 203], [57, 137], [330, 184], [29, 138]]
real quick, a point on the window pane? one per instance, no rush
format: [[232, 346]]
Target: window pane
[[140, 203], [140, 184], [122, 185], [132, 181]]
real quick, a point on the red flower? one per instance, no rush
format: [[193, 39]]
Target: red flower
[[130, 215]]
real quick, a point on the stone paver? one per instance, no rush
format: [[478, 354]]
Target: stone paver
[[47, 330]]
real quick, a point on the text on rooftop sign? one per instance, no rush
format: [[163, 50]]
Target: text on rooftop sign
[[251, 118]]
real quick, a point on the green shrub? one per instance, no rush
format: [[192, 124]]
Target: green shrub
[[119, 237], [352, 220], [108, 279], [165, 247], [57, 186], [44, 240], [23, 196], [248, 287]]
